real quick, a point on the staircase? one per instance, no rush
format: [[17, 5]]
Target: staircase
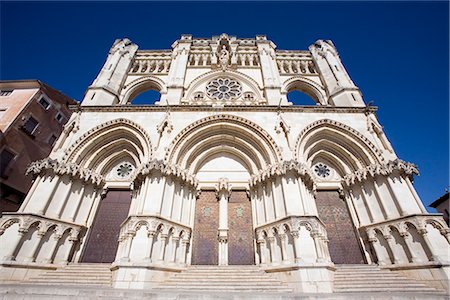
[[370, 278], [224, 279], [76, 274]]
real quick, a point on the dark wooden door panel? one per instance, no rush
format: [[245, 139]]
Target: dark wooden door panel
[[205, 245], [102, 243], [343, 243], [240, 233]]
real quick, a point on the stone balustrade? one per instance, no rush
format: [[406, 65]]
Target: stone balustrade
[[292, 240], [153, 240], [34, 239], [419, 238]]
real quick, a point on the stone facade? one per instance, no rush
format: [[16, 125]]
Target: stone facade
[[224, 140]]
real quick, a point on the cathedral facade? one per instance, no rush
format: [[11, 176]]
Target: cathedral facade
[[224, 170]]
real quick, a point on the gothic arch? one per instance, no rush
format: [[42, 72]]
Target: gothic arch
[[140, 85], [350, 148], [247, 80], [307, 86], [244, 138], [95, 148]]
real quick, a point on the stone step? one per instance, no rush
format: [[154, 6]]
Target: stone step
[[190, 277], [388, 289], [222, 288]]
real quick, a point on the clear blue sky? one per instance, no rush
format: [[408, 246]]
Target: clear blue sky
[[397, 53]]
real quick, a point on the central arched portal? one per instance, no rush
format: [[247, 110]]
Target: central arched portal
[[223, 227]]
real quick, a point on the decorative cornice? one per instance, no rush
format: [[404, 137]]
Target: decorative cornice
[[405, 169], [225, 108], [301, 169], [165, 169], [61, 168]]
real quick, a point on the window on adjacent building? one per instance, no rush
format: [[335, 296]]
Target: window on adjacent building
[[30, 125], [5, 92], [44, 103], [60, 117], [6, 157], [52, 140]]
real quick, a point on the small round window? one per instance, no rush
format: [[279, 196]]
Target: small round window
[[124, 169], [322, 170], [224, 89]]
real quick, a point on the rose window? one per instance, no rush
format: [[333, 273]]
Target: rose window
[[322, 170], [123, 170], [224, 89]]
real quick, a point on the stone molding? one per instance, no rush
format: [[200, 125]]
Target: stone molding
[[365, 142], [278, 169], [405, 169], [293, 223], [65, 168], [44, 224], [165, 169], [133, 223]]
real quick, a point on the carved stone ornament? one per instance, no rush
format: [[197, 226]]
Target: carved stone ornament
[[405, 169], [223, 187], [61, 168], [165, 169]]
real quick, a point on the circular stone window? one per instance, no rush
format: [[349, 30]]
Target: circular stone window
[[322, 170], [124, 169], [223, 89]]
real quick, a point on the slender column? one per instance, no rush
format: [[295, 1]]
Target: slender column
[[416, 196], [79, 201], [129, 240], [326, 250], [262, 250], [46, 198], [424, 234], [148, 253], [297, 246], [30, 193], [391, 244], [316, 238], [223, 191], [398, 199], [409, 245], [32, 253], [283, 240], [143, 194], [72, 241], [184, 244], [10, 256], [51, 253], [175, 239], [163, 246], [375, 245], [59, 210], [272, 248], [94, 205]]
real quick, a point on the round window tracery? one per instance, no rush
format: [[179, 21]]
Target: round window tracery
[[322, 170], [124, 169], [224, 89]]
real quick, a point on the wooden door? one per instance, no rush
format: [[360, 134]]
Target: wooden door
[[205, 244], [240, 230], [102, 242], [343, 243]]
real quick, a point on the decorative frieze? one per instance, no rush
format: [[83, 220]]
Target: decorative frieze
[[405, 169], [278, 169], [65, 168]]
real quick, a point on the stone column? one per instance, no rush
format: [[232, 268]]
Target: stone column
[[78, 202], [10, 256], [175, 239], [375, 245], [326, 250], [283, 242], [36, 183], [72, 241], [34, 247], [391, 244], [223, 191], [128, 242], [46, 198], [163, 247], [424, 233], [182, 258], [148, 252], [262, 251], [409, 245], [51, 253], [316, 237], [272, 249], [297, 246], [446, 233]]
